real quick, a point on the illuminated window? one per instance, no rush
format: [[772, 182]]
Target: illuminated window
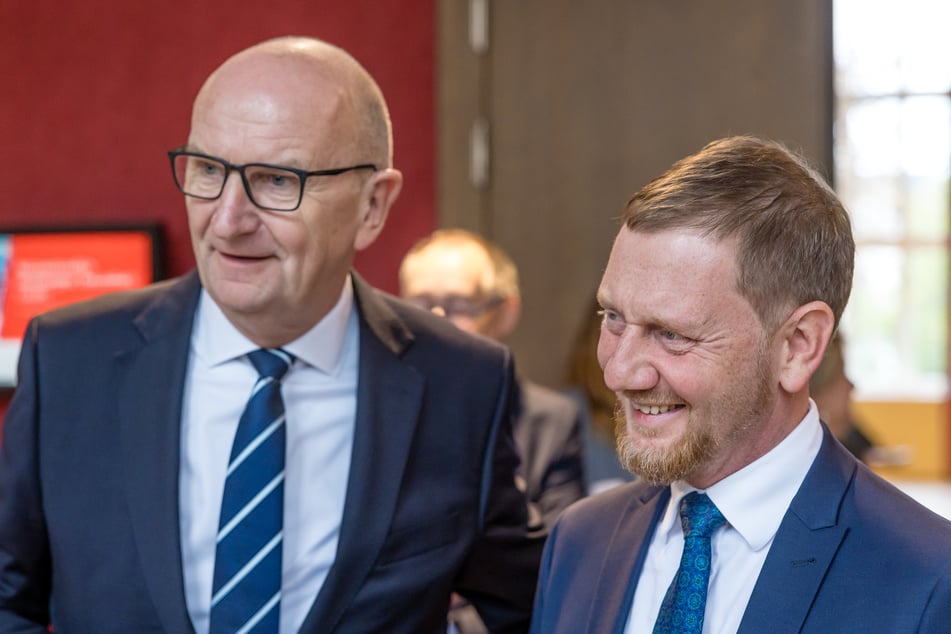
[[893, 163]]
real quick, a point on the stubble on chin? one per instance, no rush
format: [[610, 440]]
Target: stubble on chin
[[661, 465]]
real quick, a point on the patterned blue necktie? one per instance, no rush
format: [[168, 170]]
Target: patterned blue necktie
[[246, 590], [686, 598]]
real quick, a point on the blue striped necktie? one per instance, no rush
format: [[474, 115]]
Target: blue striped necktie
[[686, 598], [246, 589]]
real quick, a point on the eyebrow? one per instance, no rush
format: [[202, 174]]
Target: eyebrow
[[189, 147]]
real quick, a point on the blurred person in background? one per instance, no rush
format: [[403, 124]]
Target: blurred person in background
[[471, 282], [831, 389]]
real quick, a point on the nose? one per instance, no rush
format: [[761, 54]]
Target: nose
[[626, 361], [234, 212], [438, 310]]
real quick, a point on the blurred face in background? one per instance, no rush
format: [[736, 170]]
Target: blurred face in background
[[833, 396], [454, 280]]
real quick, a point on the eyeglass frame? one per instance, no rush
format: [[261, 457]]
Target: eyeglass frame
[[475, 309], [303, 175]]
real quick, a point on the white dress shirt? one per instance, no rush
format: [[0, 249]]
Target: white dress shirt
[[754, 501], [320, 403]]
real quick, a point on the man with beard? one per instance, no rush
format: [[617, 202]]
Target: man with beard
[[723, 288]]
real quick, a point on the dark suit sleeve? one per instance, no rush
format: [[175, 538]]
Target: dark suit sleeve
[[25, 571], [544, 579], [564, 478], [937, 613], [501, 571]]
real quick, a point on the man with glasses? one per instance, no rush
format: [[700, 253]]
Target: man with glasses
[[266, 444], [474, 284]]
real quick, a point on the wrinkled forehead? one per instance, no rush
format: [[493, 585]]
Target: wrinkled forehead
[[673, 266]]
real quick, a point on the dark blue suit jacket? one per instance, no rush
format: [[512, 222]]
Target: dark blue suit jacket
[[853, 554], [89, 473]]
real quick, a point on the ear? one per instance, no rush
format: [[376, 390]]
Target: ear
[[804, 338], [509, 312], [380, 191]]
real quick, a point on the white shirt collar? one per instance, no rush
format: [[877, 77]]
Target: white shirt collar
[[217, 341], [755, 499]]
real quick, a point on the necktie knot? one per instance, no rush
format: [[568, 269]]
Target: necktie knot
[[699, 516], [271, 362]]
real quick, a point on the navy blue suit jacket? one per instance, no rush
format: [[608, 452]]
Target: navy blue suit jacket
[[852, 554], [89, 473]]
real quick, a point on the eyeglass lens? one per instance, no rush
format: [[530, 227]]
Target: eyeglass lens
[[269, 187]]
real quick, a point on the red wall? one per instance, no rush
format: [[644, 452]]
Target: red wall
[[95, 91]]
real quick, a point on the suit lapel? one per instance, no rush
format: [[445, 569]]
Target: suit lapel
[[612, 597], [150, 380], [804, 547], [149, 393], [389, 396]]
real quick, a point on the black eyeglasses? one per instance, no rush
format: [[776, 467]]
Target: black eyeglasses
[[274, 187]]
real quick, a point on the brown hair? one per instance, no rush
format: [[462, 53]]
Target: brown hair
[[793, 235]]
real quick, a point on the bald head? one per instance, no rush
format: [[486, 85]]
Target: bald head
[[287, 175], [305, 77], [456, 250]]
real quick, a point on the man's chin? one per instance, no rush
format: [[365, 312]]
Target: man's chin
[[661, 460], [653, 438], [653, 470]]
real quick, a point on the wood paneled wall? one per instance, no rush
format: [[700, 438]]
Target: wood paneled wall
[[586, 101]]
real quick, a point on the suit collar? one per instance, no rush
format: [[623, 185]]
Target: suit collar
[[755, 499], [378, 317], [820, 497], [805, 545], [802, 551], [389, 397], [216, 340], [612, 600], [151, 373]]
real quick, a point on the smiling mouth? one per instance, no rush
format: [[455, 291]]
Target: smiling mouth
[[654, 409]]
